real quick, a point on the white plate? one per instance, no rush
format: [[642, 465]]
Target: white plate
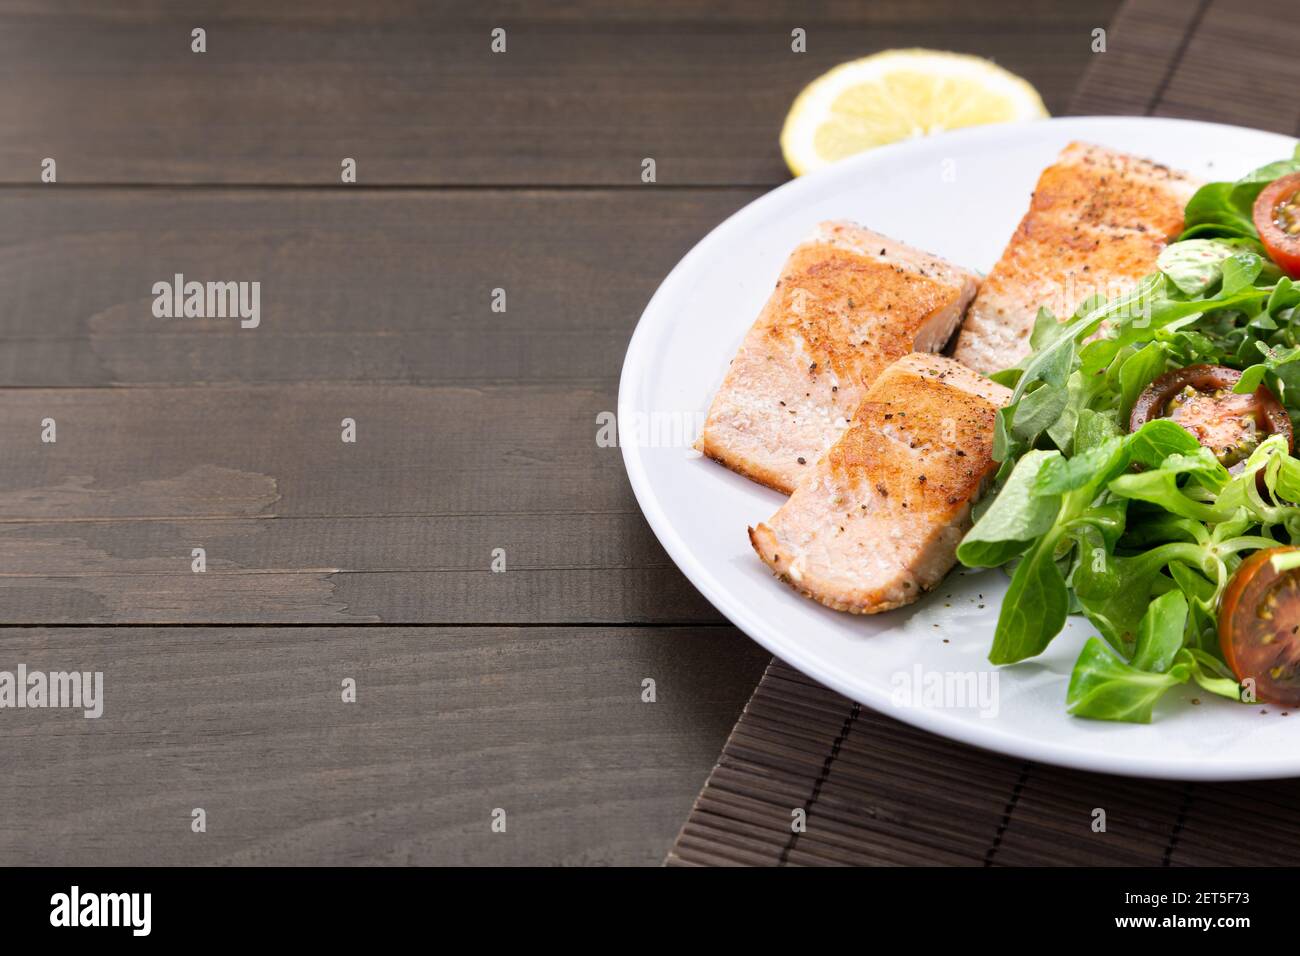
[[959, 195]]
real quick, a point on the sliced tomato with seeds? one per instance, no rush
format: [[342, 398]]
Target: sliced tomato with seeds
[[1277, 220], [1259, 627], [1202, 400]]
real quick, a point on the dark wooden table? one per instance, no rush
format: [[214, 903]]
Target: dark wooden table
[[326, 560]]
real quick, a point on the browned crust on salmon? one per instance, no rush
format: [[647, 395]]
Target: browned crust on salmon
[[1095, 225], [878, 521], [848, 303]]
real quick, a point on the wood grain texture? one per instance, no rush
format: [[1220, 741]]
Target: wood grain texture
[[413, 93], [449, 724], [476, 431], [367, 286], [300, 527]]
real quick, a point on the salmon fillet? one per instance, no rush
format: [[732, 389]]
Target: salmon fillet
[[848, 303], [1097, 220], [878, 520]]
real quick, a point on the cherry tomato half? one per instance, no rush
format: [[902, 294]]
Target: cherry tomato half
[[1259, 627], [1277, 219], [1200, 398]]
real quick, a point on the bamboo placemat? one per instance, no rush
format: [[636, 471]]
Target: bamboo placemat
[[875, 791]]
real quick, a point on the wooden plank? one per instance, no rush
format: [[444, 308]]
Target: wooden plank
[[584, 92], [277, 450], [571, 568], [300, 527], [449, 724], [375, 286]]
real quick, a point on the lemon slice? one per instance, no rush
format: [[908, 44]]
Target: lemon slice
[[897, 95]]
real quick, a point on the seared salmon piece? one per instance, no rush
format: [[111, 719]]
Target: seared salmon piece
[[1096, 223], [848, 303], [878, 520]]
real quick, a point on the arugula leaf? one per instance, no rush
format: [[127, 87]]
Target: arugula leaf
[[1251, 379], [1038, 410], [1108, 518], [1240, 270], [1007, 376], [1105, 687], [1247, 189], [1048, 360], [1097, 355], [1047, 329], [1035, 607], [1202, 598]]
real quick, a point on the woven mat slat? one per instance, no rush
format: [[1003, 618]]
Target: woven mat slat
[[1056, 820], [769, 768], [1240, 824], [878, 792], [868, 805], [1143, 47], [1261, 36], [906, 753]]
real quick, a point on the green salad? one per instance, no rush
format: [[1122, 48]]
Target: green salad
[[1146, 470]]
